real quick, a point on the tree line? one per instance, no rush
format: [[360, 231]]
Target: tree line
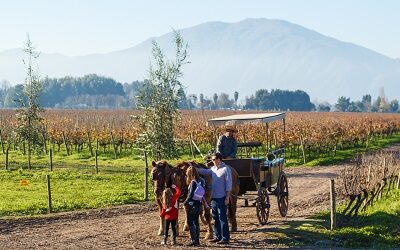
[[90, 91], [366, 104], [94, 91]]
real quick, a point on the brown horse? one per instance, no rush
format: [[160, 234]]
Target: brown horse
[[232, 206], [164, 175]]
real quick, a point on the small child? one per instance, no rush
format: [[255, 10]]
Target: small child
[[170, 212], [193, 202]]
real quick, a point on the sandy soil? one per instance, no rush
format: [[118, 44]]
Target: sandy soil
[[135, 226]]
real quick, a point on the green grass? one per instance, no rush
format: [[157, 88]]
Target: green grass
[[344, 154], [377, 228], [74, 182], [71, 190]]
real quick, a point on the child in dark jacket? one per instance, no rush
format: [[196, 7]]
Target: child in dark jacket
[[194, 205], [170, 212]]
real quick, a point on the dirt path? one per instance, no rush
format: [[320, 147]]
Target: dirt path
[[135, 226]]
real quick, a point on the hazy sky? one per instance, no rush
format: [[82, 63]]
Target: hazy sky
[[79, 27]]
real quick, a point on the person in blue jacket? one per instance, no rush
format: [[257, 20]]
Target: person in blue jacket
[[227, 144]]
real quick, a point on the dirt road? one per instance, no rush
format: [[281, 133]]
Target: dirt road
[[135, 226]]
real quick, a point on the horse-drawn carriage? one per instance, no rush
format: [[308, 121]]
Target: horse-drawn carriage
[[260, 175]]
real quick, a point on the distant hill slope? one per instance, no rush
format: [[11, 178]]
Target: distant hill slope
[[243, 57]]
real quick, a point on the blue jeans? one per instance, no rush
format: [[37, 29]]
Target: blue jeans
[[221, 226]]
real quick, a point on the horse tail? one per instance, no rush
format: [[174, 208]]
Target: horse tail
[[203, 215], [230, 212], [203, 218]]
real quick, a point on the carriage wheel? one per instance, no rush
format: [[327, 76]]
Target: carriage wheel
[[283, 195], [262, 206]]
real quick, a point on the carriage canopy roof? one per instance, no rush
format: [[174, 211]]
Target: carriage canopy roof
[[246, 118]]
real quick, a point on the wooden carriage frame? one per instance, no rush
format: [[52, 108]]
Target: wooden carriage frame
[[260, 177]]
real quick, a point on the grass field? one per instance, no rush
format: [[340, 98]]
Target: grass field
[[71, 190], [377, 228], [74, 183]]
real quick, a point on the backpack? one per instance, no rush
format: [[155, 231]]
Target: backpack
[[198, 192]]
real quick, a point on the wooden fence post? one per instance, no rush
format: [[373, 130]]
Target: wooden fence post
[[90, 143], [333, 205], [65, 142], [49, 208], [51, 159], [198, 150], [6, 162], [369, 173], [302, 148], [146, 178], [382, 187], [398, 180], [96, 164], [191, 146], [2, 142], [113, 145], [44, 142]]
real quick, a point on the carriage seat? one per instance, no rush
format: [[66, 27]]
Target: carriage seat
[[249, 144], [276, 162], [248, 149]]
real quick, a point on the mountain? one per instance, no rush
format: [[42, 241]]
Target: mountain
[[244, 56]]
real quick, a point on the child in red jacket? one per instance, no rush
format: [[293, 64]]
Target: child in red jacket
[[170, 212]]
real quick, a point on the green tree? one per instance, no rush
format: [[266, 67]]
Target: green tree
[[384, 105], [367, 102], [236, 97], [215, 100], [343, 104], [262, 99], [183, 102], [12, 95], [279, 99], [394, 106], [250, 102], [355, 107], [192, 101], [29, 119], [201, 99], [324, 107], [375, 104], [224, 101], [159, 99]]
